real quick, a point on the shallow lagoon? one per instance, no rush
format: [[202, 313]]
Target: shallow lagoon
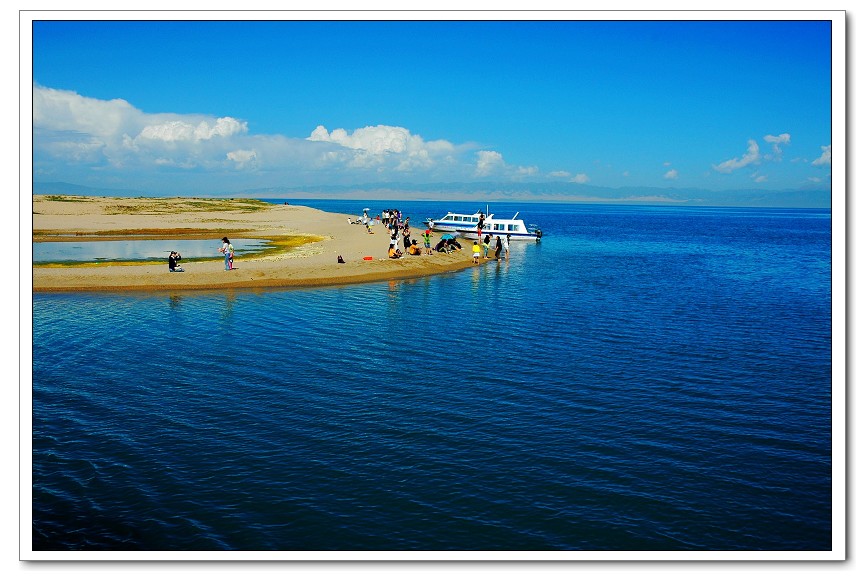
[[114, 250]]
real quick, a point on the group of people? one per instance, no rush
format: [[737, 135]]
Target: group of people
[[501, 247], [226, 249], [397, 227], [401, 229], [447, 244], [391, 218]]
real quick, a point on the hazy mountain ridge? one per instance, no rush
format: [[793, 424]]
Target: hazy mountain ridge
[[490, 191]]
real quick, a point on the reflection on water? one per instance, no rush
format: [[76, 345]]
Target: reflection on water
[[87, 251]]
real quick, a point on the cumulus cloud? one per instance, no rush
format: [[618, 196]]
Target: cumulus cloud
[[488, 162], [777, 141], [580, 178], [750, 157], [82, 135], [559, 174], [242, 158], [57, 111], [72, 128], [373, 145], [825, 158], [671, 175], [179, 130]]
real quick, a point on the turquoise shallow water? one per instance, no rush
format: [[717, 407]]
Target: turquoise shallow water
[[642, 379]]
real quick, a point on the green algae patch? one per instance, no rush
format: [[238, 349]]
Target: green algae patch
[[138, 233], [66, 198], [183, 205], [283, 244]]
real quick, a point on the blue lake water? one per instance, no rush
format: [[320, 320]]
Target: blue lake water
[[644, 378]]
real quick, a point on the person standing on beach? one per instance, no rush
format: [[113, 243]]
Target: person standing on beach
[[486, 246], [476, 253], [507, 247], [227, 249], [426, 242], [406, 236], [498, 247]]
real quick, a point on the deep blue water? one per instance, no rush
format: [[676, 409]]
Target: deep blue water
[[644, 378]]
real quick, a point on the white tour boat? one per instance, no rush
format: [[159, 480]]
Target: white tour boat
[[466, 225]]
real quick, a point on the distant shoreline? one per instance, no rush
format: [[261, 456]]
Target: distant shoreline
[[58, 217], [518, 193]]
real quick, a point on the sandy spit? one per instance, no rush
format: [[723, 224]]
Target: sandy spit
[[312, 264]]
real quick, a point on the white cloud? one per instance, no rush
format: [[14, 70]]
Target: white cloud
[[825, 158], [70, 128], [55, 110], [759, 178], [672, 175], [242, 158], [580, 178], [179, 130], [777, 141], [559, 174], [488, 162], [751, 156], [385, 147], [527, 171]]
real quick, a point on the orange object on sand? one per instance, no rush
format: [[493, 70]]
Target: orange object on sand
[[367, 257]]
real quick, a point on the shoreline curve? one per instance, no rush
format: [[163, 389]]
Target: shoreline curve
[[313, 264]]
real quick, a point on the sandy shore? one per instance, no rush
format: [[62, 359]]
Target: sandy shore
[[311, 264]]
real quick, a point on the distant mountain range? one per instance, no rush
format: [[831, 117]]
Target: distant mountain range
[[63, 188], [495, 192]]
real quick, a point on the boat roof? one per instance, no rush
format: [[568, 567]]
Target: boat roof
[[486, 217]]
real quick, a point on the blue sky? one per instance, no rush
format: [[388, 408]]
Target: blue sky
[[200, 107]]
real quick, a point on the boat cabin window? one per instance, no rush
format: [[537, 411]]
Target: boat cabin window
[[475, 220], [512, 228], [498, 226]]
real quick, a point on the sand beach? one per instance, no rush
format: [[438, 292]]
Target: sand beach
[[306, 242]]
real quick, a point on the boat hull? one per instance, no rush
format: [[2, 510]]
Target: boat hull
[[465, 226]]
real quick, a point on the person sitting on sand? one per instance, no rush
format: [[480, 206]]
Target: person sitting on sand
[[394, 252], [442, 246], [414, 249], [173, 259]]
